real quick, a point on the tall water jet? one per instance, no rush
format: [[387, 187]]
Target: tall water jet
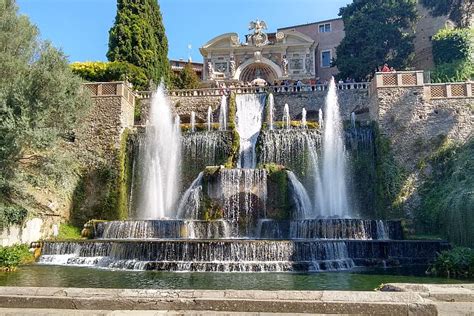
[[320, 118], [286, 116], [160, 156], [334, 198], [209, 119], [303, 118], [249, 122], [271, 110], [353, 119], [223, 114], [193, 121]]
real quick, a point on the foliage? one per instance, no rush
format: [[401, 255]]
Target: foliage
[[457, 262], [11, 257], [234, 153], [68, 231], [99, 71], [377, 32], [186, 79], [12, 214], [447, 198], [390, 178], [452, 45], [459, 11], [40, 98], [457, 71], [138, 37]]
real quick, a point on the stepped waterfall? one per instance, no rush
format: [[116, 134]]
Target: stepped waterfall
[[246, 197]]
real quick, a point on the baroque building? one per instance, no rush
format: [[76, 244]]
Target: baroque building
[[273, 57]]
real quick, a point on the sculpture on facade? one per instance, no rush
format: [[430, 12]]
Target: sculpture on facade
[[284, 64], [259, 37], [210, 69], [232, 66]]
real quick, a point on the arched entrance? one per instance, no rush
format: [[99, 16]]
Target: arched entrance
[[258, 70]]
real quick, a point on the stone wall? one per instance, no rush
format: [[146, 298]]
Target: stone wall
[[350, 100]]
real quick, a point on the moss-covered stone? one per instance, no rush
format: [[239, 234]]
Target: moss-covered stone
[[278, 193], [234, 152]]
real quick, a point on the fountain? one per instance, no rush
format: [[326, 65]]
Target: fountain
[[193, 121], [286, 116], [303, 118], [353, 119], [160, 156], [271, 111], [209, 119], [333, 172], [223, 114], [283, 208]]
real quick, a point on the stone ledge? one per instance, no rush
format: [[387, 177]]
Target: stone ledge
[[435, 292], [348, 302]]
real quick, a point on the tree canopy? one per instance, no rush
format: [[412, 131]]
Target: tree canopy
[[186, 79], [138, 37], [40, 98], [377, 32]]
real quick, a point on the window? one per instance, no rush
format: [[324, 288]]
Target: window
[[326, 59], [325, 28]]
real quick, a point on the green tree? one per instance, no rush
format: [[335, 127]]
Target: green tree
[[138, 37], [40, 98], [460, 11], [187, 78], [377, 32]]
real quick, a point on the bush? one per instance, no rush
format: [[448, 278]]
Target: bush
[[111, 71], [12, 214], [12, 257], [457, 262], [457, 71], [67, 231], [451, 45]]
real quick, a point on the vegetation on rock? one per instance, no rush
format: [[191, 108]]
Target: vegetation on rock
[[447, 197], [138, 37], [377, 32], [234, 152]]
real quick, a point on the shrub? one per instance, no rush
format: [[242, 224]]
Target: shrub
[[12, 214], [11, 257], [457, 71], [457, 262], [452, 45], [111, 71]]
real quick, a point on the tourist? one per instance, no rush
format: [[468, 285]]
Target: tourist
[[385, 68], [299, 84], [392, 69]]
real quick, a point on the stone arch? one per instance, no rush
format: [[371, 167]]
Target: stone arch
[[271, 69]]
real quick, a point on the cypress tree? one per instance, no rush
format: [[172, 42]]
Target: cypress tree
[[138, 37]]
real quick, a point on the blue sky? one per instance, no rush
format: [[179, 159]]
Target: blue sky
[[80, 27]]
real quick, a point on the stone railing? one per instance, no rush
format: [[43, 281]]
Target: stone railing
[[450, 90], [266, 89], [399, 79], [104, 89]]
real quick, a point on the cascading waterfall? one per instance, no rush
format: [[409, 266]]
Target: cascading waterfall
[[209, 119], [223, 114], [300, 197], [271, 111], [193, 121], [333, 174], [320, 118], [191, 201], [249, 122], [286, 116], [303, 118], [160, 157]]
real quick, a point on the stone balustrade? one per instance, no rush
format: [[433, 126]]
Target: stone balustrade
[[105, 89], [450, 90], [253, 89], [399, 79]]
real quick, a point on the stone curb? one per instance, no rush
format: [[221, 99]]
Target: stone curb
[[322, 302]]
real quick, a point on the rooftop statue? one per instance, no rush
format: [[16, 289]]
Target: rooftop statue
[[259, 37]]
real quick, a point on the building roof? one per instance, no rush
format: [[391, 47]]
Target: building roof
[[312, 23]]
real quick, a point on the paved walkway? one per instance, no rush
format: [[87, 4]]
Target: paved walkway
[[393, 299]]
